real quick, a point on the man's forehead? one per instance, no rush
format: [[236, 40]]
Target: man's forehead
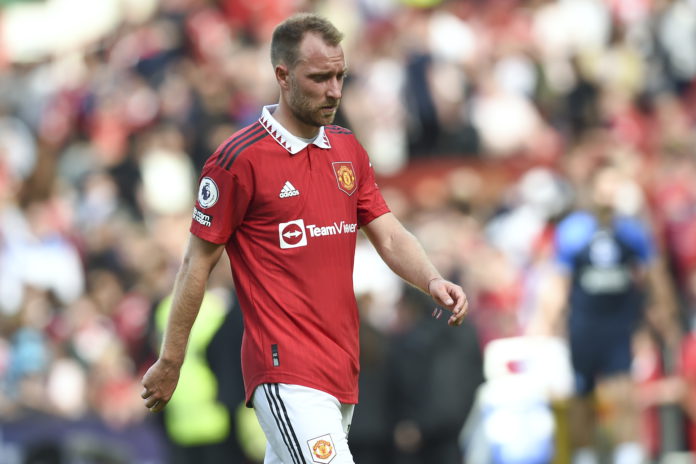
[[314, 49]]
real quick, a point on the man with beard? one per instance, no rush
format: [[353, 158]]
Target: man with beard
[[285, 198]]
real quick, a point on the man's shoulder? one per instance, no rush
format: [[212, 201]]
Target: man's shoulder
[[238, 145], [575, 230], [340, 137], [336, 129]]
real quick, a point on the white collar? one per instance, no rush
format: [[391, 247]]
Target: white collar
[[284, 138]]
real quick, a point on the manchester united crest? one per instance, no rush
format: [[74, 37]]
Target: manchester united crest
[[322, 448], [345, 176]]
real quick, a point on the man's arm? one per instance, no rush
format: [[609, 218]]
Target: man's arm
[[663, 311], [160, 380], [406, 257], [548, 318]]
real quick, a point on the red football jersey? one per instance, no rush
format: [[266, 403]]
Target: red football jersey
[[289, 214]]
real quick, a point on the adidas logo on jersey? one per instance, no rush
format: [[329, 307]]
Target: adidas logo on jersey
[[288, 190]]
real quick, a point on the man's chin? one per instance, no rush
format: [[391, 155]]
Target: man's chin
[[327, 119], [318, 119]]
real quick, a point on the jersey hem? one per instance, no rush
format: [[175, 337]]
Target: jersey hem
[[375, 215], [346, 397], [213, 238]]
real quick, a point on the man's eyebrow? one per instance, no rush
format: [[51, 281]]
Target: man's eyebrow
[[328, 73]]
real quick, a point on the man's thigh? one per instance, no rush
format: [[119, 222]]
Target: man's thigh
[[303, 425]]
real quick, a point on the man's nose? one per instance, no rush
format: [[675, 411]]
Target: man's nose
[[334, 89]]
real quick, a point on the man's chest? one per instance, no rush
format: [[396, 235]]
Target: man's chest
[[314, 183]]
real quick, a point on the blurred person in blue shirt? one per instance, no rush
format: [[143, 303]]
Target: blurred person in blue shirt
[[610, 281]]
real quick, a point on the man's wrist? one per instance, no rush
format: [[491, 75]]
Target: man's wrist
[[173, 361], [427, 287]]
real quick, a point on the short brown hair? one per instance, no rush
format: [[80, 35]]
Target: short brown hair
[[288, 35]]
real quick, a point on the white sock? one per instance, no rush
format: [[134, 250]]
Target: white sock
[[629, 453], [585, 456]]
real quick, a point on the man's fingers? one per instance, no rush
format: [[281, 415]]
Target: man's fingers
[[459, 311], [156, 405], [458, 302], [456, 319], [453, 298], [152, 402]]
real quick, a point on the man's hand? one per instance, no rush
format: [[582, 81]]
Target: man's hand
[[159, 383], [450, 296]]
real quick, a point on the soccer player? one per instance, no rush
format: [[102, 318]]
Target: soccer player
[[606, 262], [285, 197]]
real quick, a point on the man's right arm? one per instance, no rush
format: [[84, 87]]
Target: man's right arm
[[553, 300], [160, 380]]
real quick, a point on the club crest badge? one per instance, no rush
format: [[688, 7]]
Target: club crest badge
[[345, 176], [322, 449]]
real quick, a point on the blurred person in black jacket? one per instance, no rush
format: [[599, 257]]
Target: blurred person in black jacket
[[433, 375], [370, 433]]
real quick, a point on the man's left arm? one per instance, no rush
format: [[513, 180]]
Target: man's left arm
[[405, 256], [663, 311]]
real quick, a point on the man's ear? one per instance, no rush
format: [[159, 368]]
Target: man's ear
[[282, 74]]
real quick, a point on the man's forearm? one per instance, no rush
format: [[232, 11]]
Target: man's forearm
[[410, 262], [189, 289], [406, 257]]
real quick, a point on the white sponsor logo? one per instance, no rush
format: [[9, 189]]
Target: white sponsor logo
[[202, 218], [288, 190], [322, 449], [292, 234], [207, 193], [335, 229]]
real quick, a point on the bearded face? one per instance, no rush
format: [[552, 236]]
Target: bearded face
[[311, 108]]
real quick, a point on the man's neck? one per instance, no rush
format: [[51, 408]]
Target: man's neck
[[284, 116], [605, 216]]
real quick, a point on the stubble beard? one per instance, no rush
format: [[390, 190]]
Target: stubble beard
[[301, 107]]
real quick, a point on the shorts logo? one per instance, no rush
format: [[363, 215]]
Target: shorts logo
[[345, 176], [322, 449], [292, 234], [207, 193]]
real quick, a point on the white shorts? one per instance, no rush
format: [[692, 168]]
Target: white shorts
[[303, 425]]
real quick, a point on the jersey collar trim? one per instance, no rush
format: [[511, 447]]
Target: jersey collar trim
[[284, 138]]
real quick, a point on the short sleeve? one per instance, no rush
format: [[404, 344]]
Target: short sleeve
[[371, 204], [572, 235], [634, 234], [221, 204]]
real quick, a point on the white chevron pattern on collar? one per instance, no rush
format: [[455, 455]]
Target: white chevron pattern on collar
[[284, 138]]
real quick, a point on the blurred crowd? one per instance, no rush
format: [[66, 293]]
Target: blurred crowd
[[483, 120]]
